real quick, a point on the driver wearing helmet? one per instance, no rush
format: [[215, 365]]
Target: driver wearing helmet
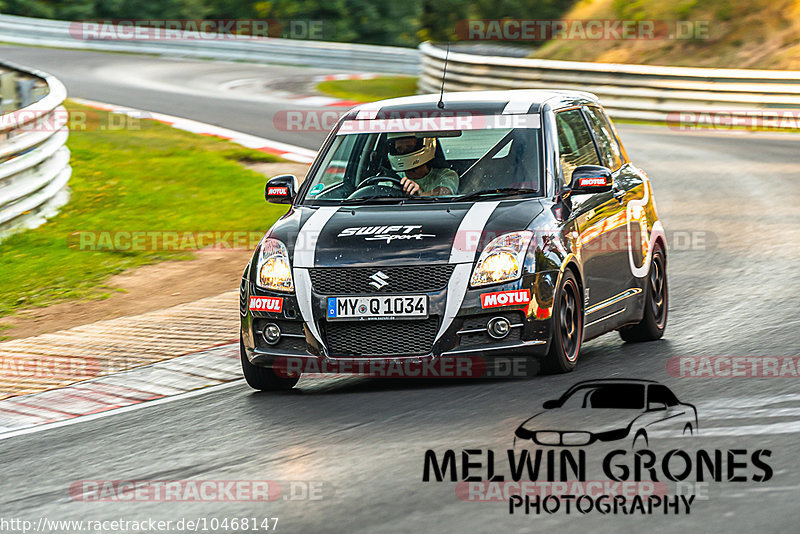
[[411, 156]]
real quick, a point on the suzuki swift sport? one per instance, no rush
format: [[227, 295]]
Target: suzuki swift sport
[[484, 224]]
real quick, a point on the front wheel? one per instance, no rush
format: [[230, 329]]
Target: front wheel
[[567, 327], [264, 378], [656, 300]]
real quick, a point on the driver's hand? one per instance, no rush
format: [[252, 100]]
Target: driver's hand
[[409, 186]]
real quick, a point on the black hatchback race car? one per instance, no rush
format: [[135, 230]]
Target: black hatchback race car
[[492, 223]]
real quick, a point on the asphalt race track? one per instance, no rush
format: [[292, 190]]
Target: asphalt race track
[[729, 203]]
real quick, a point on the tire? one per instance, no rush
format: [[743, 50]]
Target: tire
[[264, 378], [567, 327], [656, 303]]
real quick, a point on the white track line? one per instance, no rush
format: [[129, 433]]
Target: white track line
[[117, 411]]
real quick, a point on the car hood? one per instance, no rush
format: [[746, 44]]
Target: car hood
[[406, 234], [593, 420]]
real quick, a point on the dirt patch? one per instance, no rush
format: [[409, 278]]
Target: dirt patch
[[143, 289], [147, 288]]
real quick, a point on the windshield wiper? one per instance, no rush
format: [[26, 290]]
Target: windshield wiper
[[499, 191], [382, 198]]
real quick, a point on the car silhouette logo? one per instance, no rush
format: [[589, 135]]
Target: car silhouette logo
[[379, 280], [609, 410]]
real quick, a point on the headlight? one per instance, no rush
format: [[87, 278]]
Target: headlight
[[502, 259], [273, 270]]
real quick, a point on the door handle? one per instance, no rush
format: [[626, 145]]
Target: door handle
[[619, 194]]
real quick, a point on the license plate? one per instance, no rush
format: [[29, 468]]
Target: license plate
[[377, 307]]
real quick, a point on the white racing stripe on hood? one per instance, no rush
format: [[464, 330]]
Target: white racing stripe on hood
[[469, 231], [463, 253], [305, 247], [302, 287]]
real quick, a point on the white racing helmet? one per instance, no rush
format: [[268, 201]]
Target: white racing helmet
[[422, 153]]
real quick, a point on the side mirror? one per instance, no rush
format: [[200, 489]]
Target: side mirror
[[549, 405], [656, 406], [281, 189], [587, 179]]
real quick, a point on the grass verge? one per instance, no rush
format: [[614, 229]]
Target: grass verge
[[370, 90], [144, 177]]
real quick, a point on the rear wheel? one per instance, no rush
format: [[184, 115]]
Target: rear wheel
[[656, 300], [264, 378], [567, 327]]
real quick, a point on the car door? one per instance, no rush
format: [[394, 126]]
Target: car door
[[595, 220], [628, 181]]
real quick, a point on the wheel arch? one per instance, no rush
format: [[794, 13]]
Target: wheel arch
[[572, 266], [663, 244]]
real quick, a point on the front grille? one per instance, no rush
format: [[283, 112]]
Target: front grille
[[381, 338], [345, 280]]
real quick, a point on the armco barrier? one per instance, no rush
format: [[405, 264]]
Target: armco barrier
[[34, 162], [638, 92], [56, 33]]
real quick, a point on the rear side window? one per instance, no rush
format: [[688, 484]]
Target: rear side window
[[574, 142], [606, 141]]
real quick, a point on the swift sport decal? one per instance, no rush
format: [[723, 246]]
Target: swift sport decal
[[386, 233], [272, 304], [505, 298]]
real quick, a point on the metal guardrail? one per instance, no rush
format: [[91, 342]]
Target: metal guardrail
[[65, 34], [637, 92], [34, 162]]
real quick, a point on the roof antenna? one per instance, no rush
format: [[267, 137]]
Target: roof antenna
[[440, 105]]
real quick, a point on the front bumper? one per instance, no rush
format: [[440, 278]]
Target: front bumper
[[465, 337]]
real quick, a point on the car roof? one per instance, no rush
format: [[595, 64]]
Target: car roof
[[518, 101], [602, 381]]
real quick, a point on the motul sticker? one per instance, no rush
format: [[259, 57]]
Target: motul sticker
[[505, 298], [593, 181], [270, 304], [278, 191]]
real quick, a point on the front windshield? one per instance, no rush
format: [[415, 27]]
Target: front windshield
[[424, 166], [617, 396]]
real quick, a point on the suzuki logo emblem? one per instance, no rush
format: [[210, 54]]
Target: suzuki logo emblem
[[379, 280]]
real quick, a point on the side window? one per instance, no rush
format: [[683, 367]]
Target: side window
[[606, 141], [659, 393], [574, 142]]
